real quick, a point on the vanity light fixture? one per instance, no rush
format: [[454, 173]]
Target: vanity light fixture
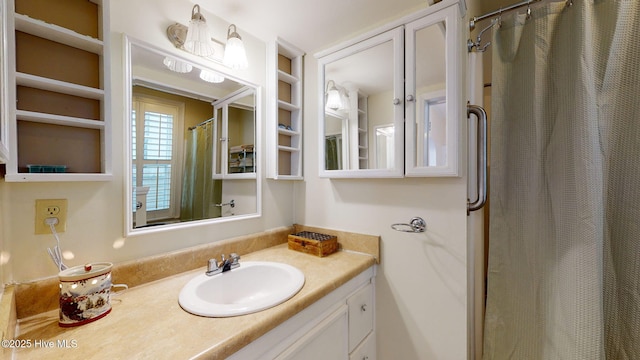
[[235, 55], [177, 65], [198, 41], [334, 100], [210, 76]]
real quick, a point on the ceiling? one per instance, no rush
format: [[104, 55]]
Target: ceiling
[[314, 25], [311, 25]]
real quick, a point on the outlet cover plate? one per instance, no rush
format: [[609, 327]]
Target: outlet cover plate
[[46, 208]]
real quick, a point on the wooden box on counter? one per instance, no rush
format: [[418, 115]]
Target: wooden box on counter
[[313, 243]]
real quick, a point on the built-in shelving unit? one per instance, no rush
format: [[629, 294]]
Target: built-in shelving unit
[[57, 63], [241, 161], [363, 132], [285, 115]]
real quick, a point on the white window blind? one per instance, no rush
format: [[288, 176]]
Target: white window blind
[[155, 153]]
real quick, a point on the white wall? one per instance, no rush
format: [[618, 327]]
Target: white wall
[[95, 224], [421, 286]]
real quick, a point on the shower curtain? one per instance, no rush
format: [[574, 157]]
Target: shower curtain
[[200, 192], [564, 248]]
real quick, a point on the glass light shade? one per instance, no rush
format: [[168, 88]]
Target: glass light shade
[[177, 65], [210, 76], [235, 55], [334, 101], [344, 100], [198, 41]]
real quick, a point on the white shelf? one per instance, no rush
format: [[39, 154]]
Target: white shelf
[[287, 106], [58, 34], [56, 177], [63, 87], [288, 148], [288, 132], [288, 78], [59, 120]]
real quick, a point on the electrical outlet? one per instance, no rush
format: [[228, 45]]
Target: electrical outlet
[[51, 208]]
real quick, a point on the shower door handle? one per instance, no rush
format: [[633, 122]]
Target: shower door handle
[[481, 163]]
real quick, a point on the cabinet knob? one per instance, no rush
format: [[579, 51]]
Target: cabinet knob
[[363, 307], [396, 101], [410, 98]]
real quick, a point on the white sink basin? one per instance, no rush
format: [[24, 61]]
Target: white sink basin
[[252, 287]]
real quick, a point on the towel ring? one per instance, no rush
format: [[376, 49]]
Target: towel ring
[[417, 225]]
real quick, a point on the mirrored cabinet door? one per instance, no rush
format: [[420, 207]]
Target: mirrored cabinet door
[[433, 81], [361, 107], [234, 136]]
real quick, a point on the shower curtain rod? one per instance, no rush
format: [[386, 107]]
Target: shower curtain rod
[[472, 23], [202, 123], [475, 19]]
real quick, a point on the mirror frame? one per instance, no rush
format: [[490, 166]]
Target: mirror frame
[[396, 36], [129, 230]]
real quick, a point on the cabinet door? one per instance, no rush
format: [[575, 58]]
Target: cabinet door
[[328, 340], [433, 53], [361, 114], [366, 350], [235, 134], [361, 310]]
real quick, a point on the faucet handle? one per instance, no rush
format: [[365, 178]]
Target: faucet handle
[[234, 258], [212, 266]]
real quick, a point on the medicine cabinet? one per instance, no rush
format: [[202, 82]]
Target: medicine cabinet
[[391, 100]]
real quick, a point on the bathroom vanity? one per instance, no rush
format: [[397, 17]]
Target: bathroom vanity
[[335, 306]]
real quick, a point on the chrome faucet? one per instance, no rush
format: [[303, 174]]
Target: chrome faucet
[[213, 268]]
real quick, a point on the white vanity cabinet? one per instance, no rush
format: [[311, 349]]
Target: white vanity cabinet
[[412, 73], [338, 326], [327, 340]]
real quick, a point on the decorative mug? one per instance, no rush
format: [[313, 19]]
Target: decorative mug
[[84, 293]]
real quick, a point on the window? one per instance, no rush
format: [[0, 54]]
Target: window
[[157, 131]]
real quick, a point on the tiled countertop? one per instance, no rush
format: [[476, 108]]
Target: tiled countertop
[[148, 323]]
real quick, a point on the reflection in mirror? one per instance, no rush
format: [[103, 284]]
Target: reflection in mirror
[[431, 117], [359, 93], [193, 133], [384, 146]]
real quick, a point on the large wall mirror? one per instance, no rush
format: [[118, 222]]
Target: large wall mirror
[[193, 135], [362, 110]]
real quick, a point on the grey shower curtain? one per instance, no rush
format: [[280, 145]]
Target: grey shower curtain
[[200, 192], [564, 250]]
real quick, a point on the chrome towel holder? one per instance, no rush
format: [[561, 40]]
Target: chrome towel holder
[[416, 225]]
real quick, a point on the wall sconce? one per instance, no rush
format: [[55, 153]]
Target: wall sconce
[[235, 55], [198, 41], [337, 97]]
